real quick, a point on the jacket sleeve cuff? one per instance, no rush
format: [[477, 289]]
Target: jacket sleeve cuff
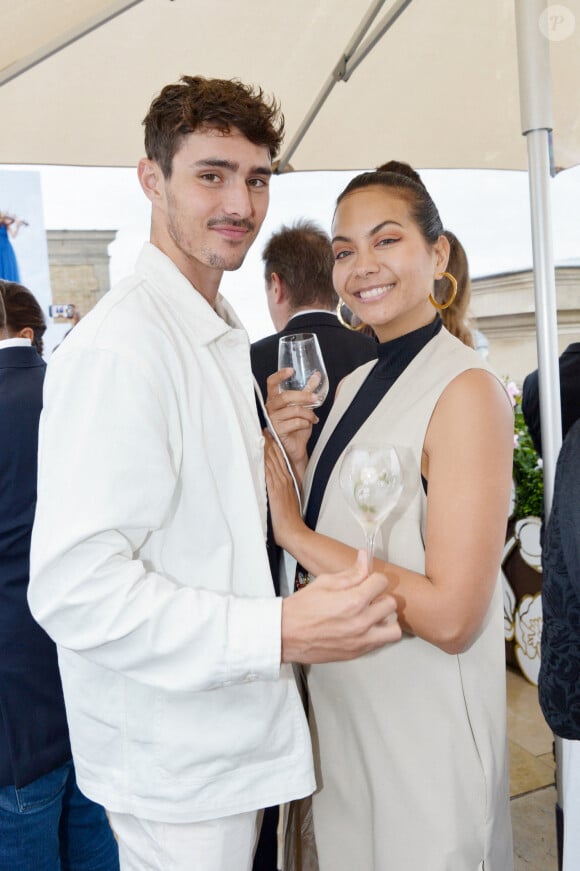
[[254, 639]]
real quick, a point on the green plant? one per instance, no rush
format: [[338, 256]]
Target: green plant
[[527, 467]]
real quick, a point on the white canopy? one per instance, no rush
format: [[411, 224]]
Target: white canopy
[[439, 89]]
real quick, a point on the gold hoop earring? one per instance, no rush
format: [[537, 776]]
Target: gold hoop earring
[[345, 323], [441, 306]]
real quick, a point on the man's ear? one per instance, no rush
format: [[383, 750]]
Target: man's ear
[[150, 178], [277, 289]]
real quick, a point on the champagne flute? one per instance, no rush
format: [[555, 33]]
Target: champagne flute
[[301, 352], [371, 481]]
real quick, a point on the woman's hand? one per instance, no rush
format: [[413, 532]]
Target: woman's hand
[[291, 418], [282, 497]]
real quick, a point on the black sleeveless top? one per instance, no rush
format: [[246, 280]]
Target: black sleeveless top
[[393, 359]]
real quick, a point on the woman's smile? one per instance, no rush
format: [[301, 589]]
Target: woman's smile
[[373, 293]]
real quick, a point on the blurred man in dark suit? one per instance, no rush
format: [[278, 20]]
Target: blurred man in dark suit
[[298, 264], [45, 821], [558, 685], [569, 364]]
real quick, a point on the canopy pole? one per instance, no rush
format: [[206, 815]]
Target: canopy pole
[[357, 58], [536, 120], [538, 144], [21, 66], [342, 70], [537, 124]]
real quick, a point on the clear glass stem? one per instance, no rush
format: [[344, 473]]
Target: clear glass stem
[[370, 543]]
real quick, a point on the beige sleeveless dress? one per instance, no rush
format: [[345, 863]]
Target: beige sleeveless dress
[[410, 741]]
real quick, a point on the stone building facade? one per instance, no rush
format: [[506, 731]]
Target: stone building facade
[[79, 266], [504, 310]]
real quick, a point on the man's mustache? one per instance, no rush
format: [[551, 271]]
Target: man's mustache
[[232, 222]]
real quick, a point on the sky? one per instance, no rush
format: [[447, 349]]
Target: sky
[[487, 210]]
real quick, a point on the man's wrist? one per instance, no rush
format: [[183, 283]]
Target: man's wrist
[[288, 651]]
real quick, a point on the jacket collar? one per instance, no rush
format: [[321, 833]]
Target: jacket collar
[[20, 358], [311, 319], [160, 272]]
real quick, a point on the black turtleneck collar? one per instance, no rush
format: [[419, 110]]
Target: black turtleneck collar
[[394, 356]]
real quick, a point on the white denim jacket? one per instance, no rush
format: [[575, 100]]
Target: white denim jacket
[[149, 566]]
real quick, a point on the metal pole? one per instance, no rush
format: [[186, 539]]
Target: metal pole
[[343, 69], [546, 307], [21, 66], [537, 124], [357, 58]]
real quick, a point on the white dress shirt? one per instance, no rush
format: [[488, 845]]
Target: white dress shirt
[[15, 343]]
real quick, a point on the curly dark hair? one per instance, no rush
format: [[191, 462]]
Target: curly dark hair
[[22, 310], [195, 102]]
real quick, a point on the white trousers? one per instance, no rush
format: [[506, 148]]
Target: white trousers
[[226, 844], [571, 792]]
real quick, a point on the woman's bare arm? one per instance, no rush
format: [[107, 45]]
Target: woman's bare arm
[[467, 460]]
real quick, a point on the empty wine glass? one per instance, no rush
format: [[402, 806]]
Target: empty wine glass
[[371, 482], [302, 353]]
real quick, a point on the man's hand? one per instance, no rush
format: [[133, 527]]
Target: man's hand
[[338, 617]]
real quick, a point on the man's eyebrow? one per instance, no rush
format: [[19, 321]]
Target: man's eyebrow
[[371, 232], [231, 165], [261, 170], [217, 163]]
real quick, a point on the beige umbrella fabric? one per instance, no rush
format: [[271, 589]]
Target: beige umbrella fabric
[[440, 89]]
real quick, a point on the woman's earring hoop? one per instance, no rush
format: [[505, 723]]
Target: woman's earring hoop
[[345, 323], [440, 306]]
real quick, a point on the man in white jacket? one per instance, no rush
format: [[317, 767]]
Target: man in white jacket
[[149, 565]]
